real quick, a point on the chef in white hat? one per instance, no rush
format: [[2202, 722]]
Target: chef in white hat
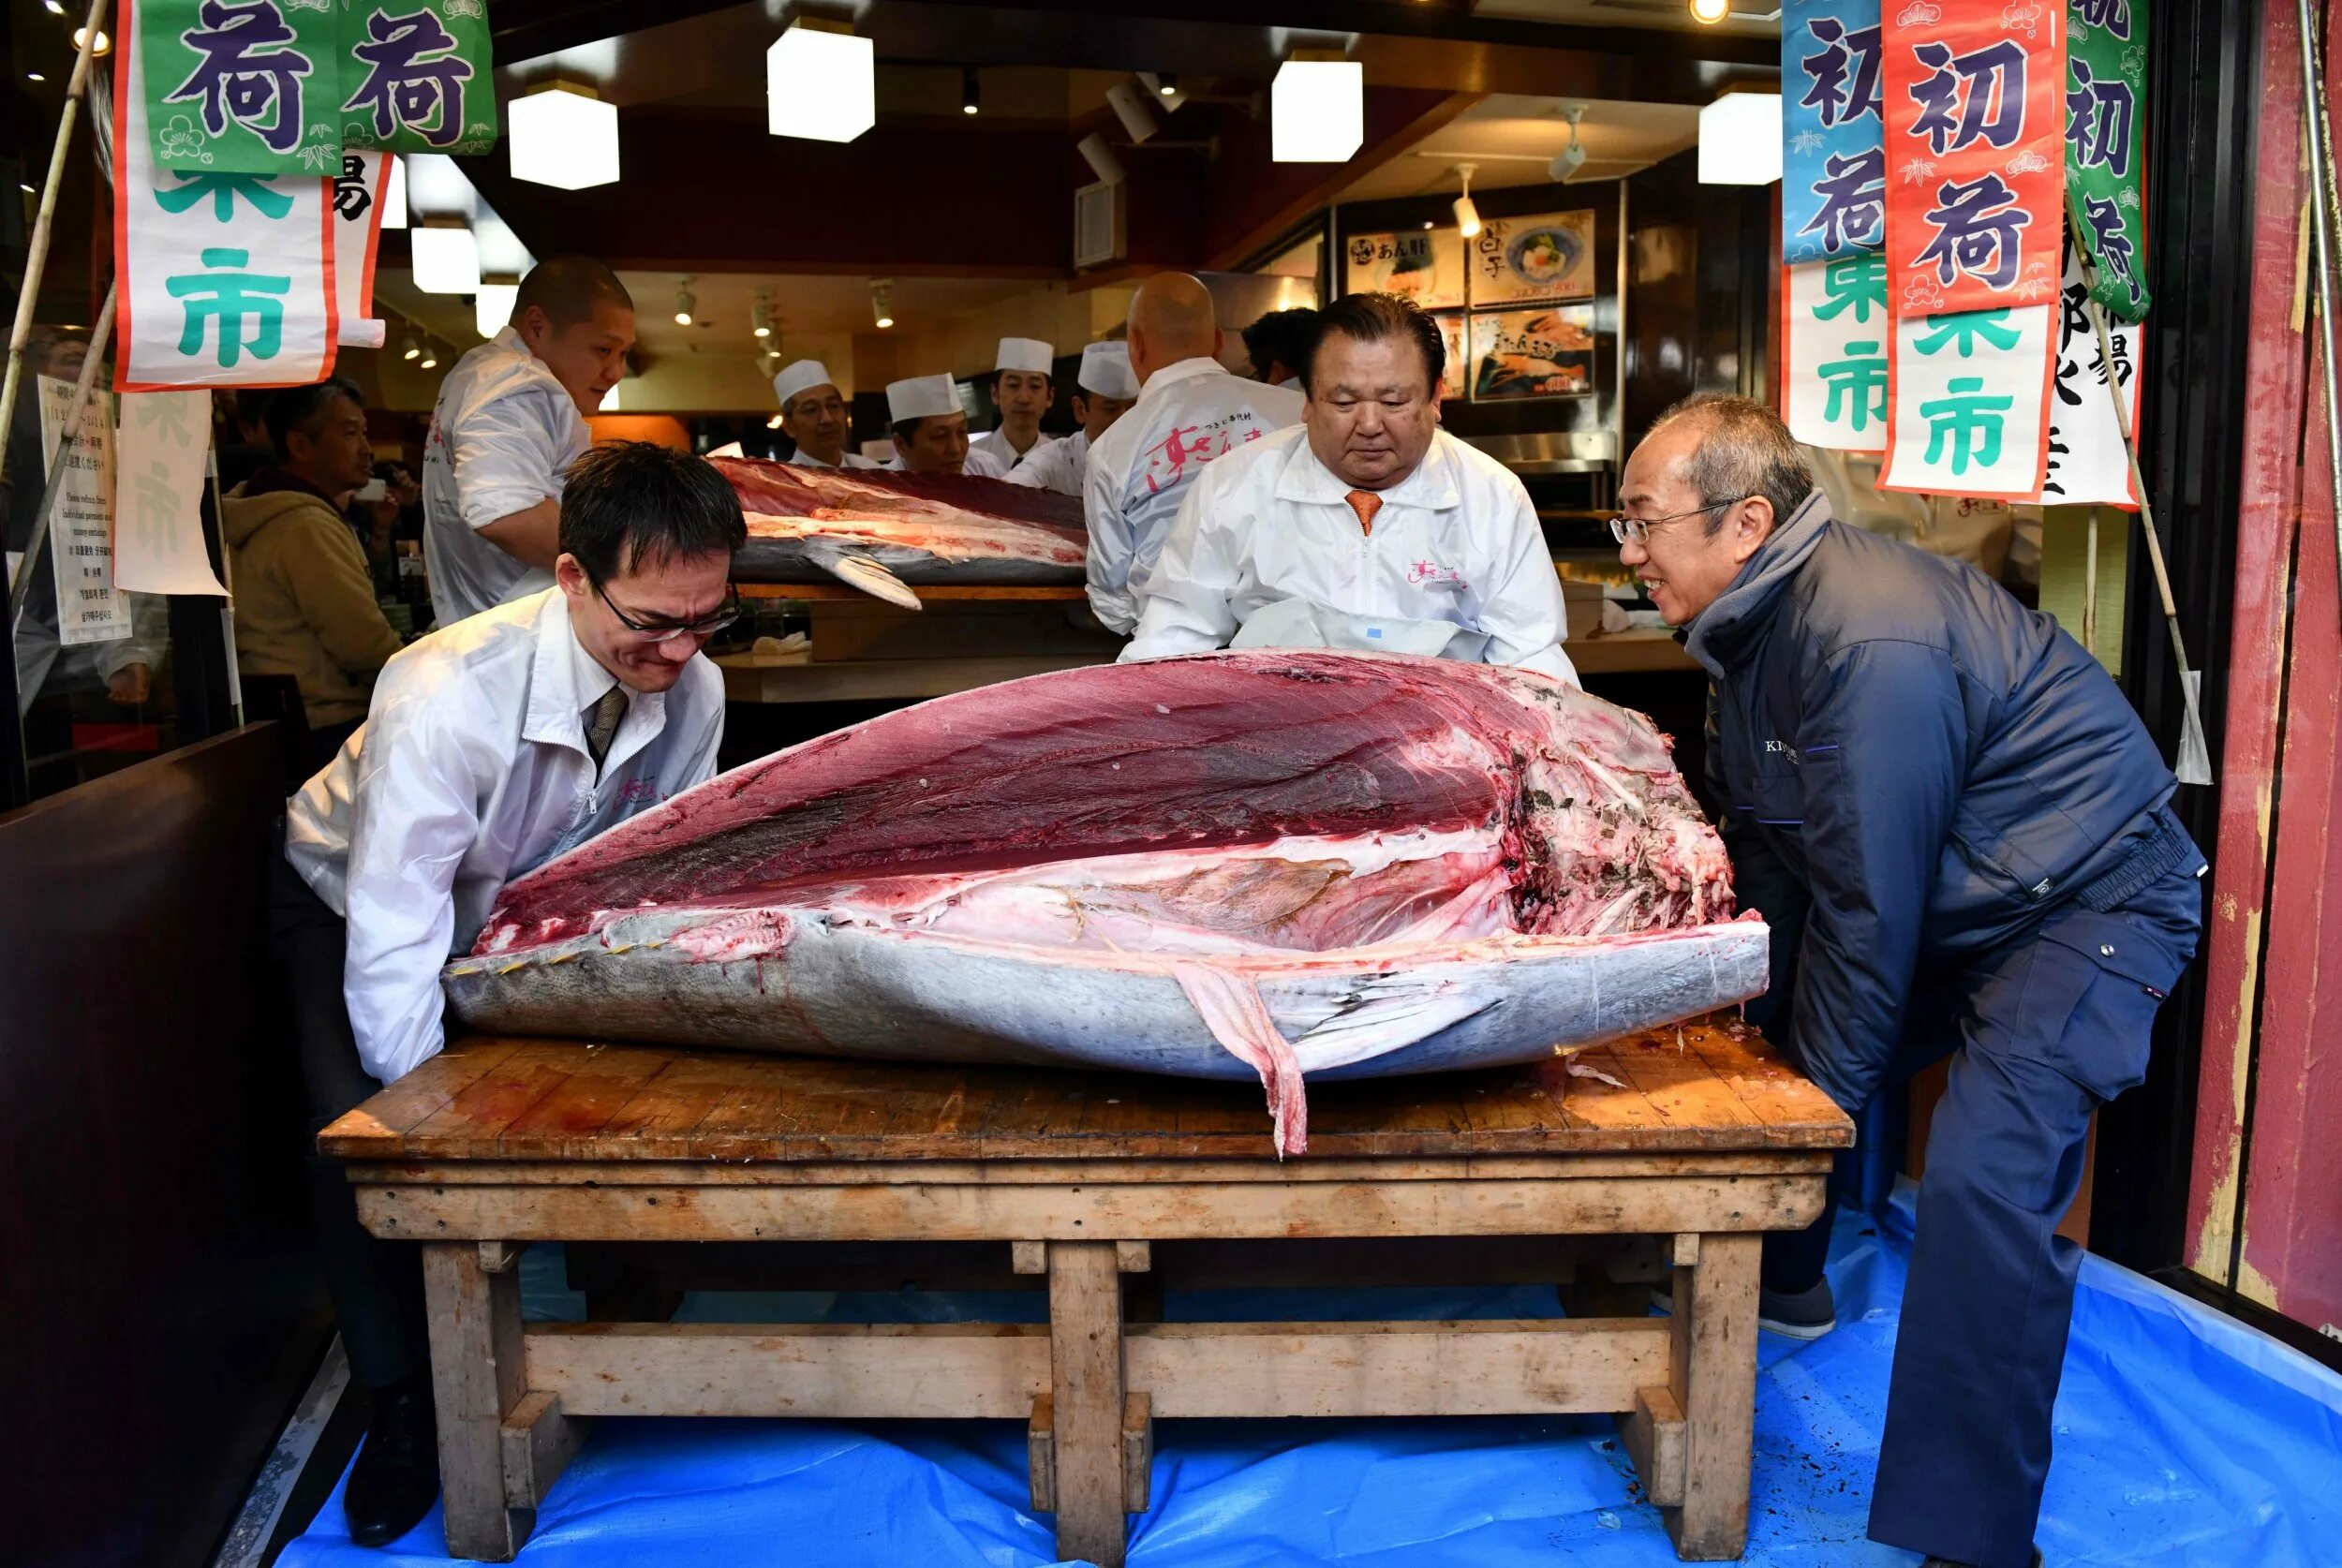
[[813, 415], [1108, 390], [931, 430], [1021, 390]]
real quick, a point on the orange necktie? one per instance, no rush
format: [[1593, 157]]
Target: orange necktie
[[1366, 504]]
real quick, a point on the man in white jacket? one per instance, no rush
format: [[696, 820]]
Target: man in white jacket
[[1191, 413], [491, 747], [510, 420], [1367, 528], [1107, 390], [1022, 389], [813, 415]]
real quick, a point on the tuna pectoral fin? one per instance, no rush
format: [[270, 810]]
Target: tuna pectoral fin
[[1385, 1012], [1231, 1007], [857, 570]]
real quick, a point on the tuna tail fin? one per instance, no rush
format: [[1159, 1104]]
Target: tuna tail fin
[[857, 570], [1231, 1007]]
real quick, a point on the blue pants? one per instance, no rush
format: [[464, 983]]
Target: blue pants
[[2049, 1028]]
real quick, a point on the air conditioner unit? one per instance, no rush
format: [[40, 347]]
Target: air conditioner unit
[[1100, 229]]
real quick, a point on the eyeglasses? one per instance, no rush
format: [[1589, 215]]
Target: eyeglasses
[[706, 626], [1637, 529]]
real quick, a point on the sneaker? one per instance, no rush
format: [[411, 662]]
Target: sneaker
[[1806, 1314]]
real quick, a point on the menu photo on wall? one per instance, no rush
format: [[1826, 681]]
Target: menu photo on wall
[[1534, 260], [1451, 382], [1519, 354], [1426, 265]]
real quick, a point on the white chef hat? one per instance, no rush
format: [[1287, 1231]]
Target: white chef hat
[[1025, 353], [1106, 371], [797, 377], [921, 398]]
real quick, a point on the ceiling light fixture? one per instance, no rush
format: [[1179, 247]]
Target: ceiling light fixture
[[445, 257], [1163, 85], [563, 136], [408, 347], [820, 82], [103, 44], [492, 307], [1101, 159], [1570, 159], [34, 76], [1709, 13], [430, 359], [55, 6], [761, 317], [970, 92], [1168, 84], [1467, 215], [882, 308], [1740, 140], [1137, 117], [1316, 109], [772, 423], [684, 302], [394, 195]]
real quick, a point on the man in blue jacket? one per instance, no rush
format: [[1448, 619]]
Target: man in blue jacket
[[1960, 834]]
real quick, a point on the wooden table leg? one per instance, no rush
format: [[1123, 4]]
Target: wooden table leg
[[1714, 1381], [478, 1375], [1086, 1398]]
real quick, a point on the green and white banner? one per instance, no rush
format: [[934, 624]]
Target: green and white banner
[[2106, 100], [284, 86]]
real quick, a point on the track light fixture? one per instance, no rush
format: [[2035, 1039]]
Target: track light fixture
[[684, 302], [970, 92], [881, 310], [1467, 215]]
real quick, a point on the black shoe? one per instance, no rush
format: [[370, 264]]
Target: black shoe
[[396, 1477], [1806, 1314], [1946, 1563]]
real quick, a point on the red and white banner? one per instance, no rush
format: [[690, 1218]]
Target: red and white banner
[[2087, 462], [1976, 152], [226, 280], [357, 234], [1967, 403]]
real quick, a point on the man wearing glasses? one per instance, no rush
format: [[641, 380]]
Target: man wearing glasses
[[491, 747], [1961, 836]]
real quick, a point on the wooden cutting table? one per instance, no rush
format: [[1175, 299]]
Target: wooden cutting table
[[1703, 1140]]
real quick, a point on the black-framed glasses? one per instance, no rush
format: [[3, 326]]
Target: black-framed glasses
[[1637, 529], [706, 626]]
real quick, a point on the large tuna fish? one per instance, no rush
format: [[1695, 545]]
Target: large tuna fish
[[888, 534], [1275, 861]]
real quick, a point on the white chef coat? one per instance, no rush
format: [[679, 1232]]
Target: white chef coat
[[503, 434], [981, 463], [804, 459], [1457, 540], [1188, 415], [994, 444], [1061, 468], [472, 769]]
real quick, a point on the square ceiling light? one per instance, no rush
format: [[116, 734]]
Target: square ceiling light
[[818, 83], [446, 261], [1316, 111], [493, 306], [563, 137], [1740, 140]]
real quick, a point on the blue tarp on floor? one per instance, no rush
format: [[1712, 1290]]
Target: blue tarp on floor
[[2182, 1438]]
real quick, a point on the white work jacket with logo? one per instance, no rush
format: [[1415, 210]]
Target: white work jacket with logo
[[503, 434], [994, 445], [1457, 540], [472, 769], [1189, 415], [1061, 468], [804, 459]]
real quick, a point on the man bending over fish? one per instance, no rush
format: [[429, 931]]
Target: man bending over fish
[[1973, 832], [491, 747], [1367, 526]]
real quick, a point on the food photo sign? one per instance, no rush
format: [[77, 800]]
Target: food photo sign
[[1519, 354], [1545, 260], [1426, 265]]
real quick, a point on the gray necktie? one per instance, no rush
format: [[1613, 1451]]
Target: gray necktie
[[601, 723]]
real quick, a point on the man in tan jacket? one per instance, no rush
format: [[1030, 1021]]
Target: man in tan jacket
[[305, 600]]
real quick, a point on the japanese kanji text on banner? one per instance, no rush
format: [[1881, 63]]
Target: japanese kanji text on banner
[[1975, 154], [1969, 403], [1834, 178], [1834, 326], [2106, 98], [226, 279], [158, 491]]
